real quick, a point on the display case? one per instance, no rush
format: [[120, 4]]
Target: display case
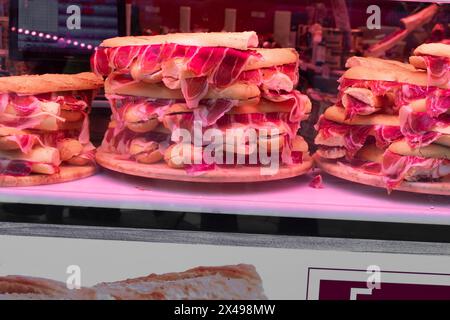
[[301, 234]]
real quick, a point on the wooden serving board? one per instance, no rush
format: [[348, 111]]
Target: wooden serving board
[[67, 173], [348, 173], [220, 175]]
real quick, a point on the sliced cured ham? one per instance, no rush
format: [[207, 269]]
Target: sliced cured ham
[[397, 168]]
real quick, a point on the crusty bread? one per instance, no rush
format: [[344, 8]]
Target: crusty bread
[[202, 283], [239, 282], [31, 288], [418, 62], [437, 49], [7, 131], [236, 40], [431, 151], [364, 95], [35, 84], [370, 152], [372, 62], [238, 91], [299, 144], [337, 114], [331, 153], [37, 154], [273, 57], [264, 106], [444, 140], [329, 141], [392, 73]]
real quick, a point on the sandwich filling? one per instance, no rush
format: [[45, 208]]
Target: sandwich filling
[[39, 132], [399, 131], [161, 93]]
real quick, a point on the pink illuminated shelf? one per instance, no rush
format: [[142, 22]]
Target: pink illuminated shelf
[[288, 198]]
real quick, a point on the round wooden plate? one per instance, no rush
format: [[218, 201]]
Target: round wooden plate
[[348, 173], [67, 173], [220, 175]]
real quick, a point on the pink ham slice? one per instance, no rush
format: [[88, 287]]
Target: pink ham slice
[[416, 126], [219, 66], [438, 103], [212, 110], [121, 58], [299, 101], [16, 168], [194, 90], [148, 62], [25, 141], [438, 69], [385, 135], [99, 62], [316, 182], [356, 107], [356, 136], [396, 167]]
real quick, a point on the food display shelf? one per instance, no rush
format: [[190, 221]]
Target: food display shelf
[[294, 197]]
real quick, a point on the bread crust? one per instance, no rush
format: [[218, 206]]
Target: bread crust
[[21, 287], [37, 154], [437, 49], [418, 62], [238, 91], [393, 73], [363, 95], [337, 114], [273, 57], [124, 289], [36, 84], [370, 152], [264, 106], [434, 151], [236, 40], [372, 62], [444, 140]]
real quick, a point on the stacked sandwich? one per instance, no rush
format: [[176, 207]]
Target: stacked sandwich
[[43, 125], [164, 88], [392, 119]]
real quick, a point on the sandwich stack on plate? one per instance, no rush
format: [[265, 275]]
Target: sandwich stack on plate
[[392, 121], [172, 95], [44, 128]]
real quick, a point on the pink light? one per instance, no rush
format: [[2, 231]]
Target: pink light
[[89, 47], [55, 38], [48, 36], [20, 30], [69, 41], [13, 29], [27, 32], [75, 43], [82, 45], [41, 34], [33, 33]]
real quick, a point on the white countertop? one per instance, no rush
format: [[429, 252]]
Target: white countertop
[[338, 199]]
